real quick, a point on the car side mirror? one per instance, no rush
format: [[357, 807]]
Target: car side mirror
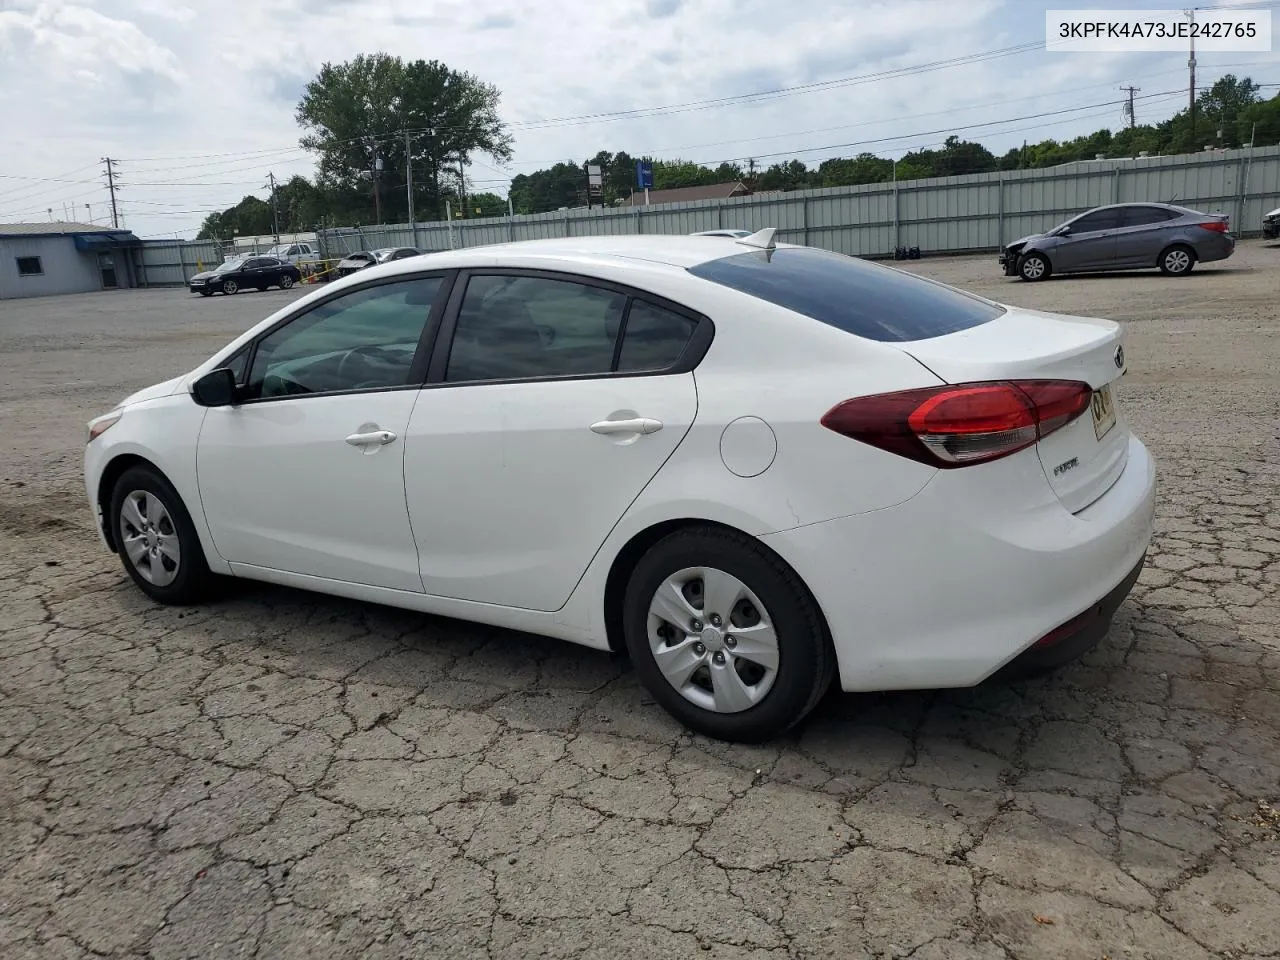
[[217, 388], [1062, 232]]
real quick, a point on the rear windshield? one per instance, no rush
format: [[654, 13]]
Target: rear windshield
[[865, 299]]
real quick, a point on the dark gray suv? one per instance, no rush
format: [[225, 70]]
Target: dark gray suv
[[1123, 236]]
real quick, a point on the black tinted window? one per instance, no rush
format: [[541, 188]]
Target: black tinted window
[[654, 337], [862, 298], [1098, 220], [1140, 216], [512, 328], [362, 341]]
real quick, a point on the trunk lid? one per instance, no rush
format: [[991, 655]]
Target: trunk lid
[[1082, 459]]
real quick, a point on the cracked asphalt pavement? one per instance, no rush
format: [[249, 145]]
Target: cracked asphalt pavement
[[276, 774]]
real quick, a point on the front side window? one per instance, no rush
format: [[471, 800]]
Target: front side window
[[518, 327], [1098, 220], [365, 340]]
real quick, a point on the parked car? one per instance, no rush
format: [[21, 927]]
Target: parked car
[[301, 254], [876, 477], [232, 276], [1271, 224], [1123, 236], [735, 234], [367, 258]]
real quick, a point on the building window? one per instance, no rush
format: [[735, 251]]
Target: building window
[[29, 266]]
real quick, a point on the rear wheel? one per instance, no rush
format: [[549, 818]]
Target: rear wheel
[[229, 287], [158, 543], [725, 636], [1177, 260], [1033, 267]]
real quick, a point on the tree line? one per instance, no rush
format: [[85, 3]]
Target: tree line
[[353, 116]]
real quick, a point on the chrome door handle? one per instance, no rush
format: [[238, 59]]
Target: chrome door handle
[[637, 425], [368, 439]]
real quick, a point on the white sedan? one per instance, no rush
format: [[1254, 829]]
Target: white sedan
[[751, 466]]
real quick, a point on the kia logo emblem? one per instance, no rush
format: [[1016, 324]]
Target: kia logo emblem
[[1119, 358]]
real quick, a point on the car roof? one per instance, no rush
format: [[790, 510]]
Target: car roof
[[670, 250]]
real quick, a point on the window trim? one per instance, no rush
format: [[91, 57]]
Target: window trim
[[695, 349], [421, 356], [38, 272]]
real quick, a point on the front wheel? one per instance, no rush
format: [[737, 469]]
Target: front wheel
[[1034, 267], [725, 636], [157, 541], [229, 287], [1177, 261], [286, 282]]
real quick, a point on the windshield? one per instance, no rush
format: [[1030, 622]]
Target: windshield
[[230, 265], [381, 255]]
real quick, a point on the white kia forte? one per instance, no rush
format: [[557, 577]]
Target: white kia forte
[[751, 466]]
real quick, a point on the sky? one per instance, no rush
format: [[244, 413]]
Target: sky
[[196, 98]]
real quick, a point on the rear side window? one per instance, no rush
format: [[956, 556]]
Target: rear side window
[[654, 338], [1141, 216], [865, 299]]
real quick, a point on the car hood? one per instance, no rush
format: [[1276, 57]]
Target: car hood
[[204, 275], [1273, 213], [351, 262], [1025, 240], [154, 391]]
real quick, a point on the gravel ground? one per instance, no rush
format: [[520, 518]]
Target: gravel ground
[[281, 775]]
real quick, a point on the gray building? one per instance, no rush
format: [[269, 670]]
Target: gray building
[[42, 259]]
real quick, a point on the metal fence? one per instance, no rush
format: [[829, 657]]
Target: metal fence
[[174, 262], [941, 215]]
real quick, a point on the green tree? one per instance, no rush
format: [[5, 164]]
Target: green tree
[[356, 113]]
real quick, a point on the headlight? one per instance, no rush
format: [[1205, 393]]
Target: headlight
[[100, 425]]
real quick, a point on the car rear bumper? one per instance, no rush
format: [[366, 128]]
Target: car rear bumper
[[1217, 246], [948, 587]]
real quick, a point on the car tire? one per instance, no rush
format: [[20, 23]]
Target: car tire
[[144, 504], [743, 691], [230, 287], [1177, 260], [1034, 267], [286, 282]]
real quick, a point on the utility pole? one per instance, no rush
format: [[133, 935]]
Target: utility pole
[[408, 173], [751, 172], [111, 188], [275, 207], [1131, 91], [462, 186], [1191, 65]]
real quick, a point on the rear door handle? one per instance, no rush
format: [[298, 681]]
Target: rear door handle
[[368, 439], [636, 425]]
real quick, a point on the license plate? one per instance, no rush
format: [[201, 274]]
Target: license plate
[[1104, 411]]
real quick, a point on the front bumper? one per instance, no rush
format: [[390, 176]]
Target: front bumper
[[1271, 229], [1008, 260], [946, 588]]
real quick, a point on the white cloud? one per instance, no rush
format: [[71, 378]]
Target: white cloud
[[198, 99]]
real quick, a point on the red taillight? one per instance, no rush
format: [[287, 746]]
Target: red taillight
[[1217, 226], [961, 424]]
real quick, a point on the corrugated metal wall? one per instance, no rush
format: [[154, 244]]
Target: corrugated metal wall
[[944, 215], [65, 269], [174, 262]]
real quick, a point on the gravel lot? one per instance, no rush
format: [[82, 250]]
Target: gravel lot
[[281, 775]]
